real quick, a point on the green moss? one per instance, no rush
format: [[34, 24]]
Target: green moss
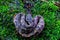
[[48, 11], [3, 8], [53, 6]]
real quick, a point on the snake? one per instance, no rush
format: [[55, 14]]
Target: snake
[[26, 25]]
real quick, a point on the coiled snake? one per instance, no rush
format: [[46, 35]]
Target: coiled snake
[[26, 25]]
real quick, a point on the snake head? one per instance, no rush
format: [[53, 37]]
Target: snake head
[[27, 26]]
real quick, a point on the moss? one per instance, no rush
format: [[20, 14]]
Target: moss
[[48, 11]]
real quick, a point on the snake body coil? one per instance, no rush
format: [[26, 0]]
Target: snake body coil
[[26, 25]]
